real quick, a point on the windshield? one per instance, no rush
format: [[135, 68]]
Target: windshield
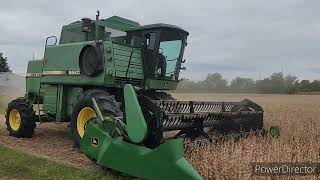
[[171, 51], [162, 51]]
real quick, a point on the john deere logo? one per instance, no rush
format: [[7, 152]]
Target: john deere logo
[[94, 141]]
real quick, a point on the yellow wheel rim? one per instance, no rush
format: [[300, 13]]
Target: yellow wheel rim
[[83, 117], [14, 119]]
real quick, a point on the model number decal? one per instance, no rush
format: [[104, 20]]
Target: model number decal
[[55, 73]]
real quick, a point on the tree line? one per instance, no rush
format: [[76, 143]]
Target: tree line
[[276, 83], [4, 67]]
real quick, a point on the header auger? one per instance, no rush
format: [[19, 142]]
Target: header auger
[[108, 77]]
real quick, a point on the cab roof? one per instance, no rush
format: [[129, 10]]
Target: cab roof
[[157, 26]]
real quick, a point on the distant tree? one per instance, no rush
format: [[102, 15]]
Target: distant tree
[[215, 82], [289, 84], [275, 83], [297, 87], [277, 77], [304, 86], [315, 85], [3, 64], [239, 83]]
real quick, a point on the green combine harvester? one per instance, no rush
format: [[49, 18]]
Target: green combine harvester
[[109, 78]]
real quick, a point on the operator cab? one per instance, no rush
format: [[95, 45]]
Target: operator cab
[[163, 48]]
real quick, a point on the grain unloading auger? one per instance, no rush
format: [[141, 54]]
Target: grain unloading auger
[[138, 131]]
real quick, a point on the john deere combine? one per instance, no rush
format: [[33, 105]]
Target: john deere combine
[[109, 78]]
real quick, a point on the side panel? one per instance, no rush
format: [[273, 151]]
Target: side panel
[[50, 99], [109, 64], [122, 56], [160, 84], [72, 98], [59, 101], [62, 66], [34, 76]]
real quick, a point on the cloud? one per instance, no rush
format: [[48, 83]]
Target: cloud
[[251, 38]]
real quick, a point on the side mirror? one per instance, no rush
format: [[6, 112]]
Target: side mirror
[[183, 68]]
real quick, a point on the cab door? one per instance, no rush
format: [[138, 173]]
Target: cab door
[[150, 53]]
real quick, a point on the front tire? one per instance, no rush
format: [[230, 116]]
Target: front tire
[[83, 111], [20, 118]]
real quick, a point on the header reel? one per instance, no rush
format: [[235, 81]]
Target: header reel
[[191, 120]]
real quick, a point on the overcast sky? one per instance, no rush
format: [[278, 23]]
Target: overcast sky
[[247, 38]]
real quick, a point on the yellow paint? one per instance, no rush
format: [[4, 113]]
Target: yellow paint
[[14, 119], [84, 115]]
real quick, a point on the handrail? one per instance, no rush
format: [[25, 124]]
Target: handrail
[[129, 63]]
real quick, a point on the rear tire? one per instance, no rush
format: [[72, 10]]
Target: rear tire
[[83, 111], [20, 118]]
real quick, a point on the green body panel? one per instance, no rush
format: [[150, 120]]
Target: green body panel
[[121, 57], [109, 72], [136, 124], [72, 98], [119, 23], [165, 162], [72, 33], [59, 100], [33, 82], [50, 100], [64, 58], [61, 103], [160, 84]]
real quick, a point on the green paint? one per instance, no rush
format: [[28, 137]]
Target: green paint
[[61, 101], [33, 76], [121, 57], [136, 124], [72, 32], [50, 100], [165, 162], [72, 98], [160, 84]]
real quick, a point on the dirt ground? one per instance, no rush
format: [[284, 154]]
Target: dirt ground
[[50, 140]]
